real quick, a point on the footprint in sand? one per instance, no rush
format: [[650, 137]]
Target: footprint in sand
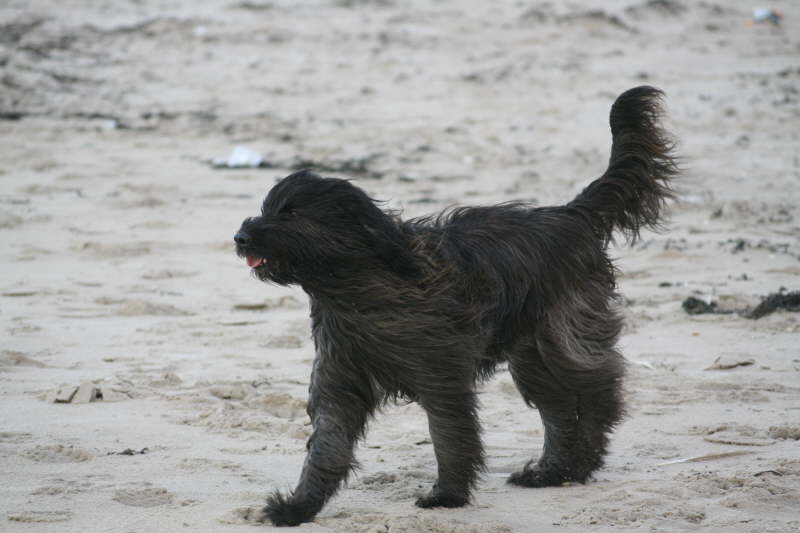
[[153, 224], [785, 432], [124, 307], [14, 436], [396, 486], [284, 342], [168, 274], [203, 464], [13, 358], [32, 517], [9, 220], [284, 302], [771, 488], [148, 497], [279, 404], [60, 486], [113, 251], [657, 451], [366, 523], [58, 454], [243, 515]]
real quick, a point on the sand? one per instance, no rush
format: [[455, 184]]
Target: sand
[[149, 383]]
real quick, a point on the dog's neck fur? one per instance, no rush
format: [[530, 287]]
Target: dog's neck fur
[[351, 286]]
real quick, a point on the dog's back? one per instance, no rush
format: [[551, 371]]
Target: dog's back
[[512, 262]]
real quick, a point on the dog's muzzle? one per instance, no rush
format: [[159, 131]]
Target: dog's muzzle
[[242, 240]]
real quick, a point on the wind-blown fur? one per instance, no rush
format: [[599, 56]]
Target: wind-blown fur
[[425, 308]]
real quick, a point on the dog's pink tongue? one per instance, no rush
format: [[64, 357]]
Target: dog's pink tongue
[[253, 262]]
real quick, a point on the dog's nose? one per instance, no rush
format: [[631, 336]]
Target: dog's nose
[[242, 238]]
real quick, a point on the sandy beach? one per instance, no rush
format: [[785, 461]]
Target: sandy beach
[[150, 384]]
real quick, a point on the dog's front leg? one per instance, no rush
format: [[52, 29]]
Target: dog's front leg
[[339, 405], [455, 432]]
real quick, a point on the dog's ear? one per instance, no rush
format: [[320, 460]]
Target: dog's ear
[[391, 245], [388, 241]]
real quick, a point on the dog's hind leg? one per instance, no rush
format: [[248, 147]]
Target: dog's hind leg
[[579, 348], [558, 409], [455, 432], [579, 407]]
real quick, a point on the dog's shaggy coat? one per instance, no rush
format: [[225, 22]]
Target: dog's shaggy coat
[[425, 308]]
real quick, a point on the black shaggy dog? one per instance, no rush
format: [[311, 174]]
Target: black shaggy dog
[[425, 308]]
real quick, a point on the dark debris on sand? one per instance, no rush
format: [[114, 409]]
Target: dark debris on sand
[[696, 306], [787, 301], [130, 451]]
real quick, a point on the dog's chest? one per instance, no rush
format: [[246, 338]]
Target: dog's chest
[[377, 341], [344, 333]]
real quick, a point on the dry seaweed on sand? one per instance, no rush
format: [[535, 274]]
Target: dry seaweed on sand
[[781, 300], [788, 301], [695, 306]]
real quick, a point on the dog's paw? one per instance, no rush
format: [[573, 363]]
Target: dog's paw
[[536, 476], [441, 499], [283, 511]]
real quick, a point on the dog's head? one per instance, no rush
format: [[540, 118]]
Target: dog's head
[[312, 228]]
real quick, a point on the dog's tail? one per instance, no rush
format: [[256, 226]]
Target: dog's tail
[[632, 192]]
